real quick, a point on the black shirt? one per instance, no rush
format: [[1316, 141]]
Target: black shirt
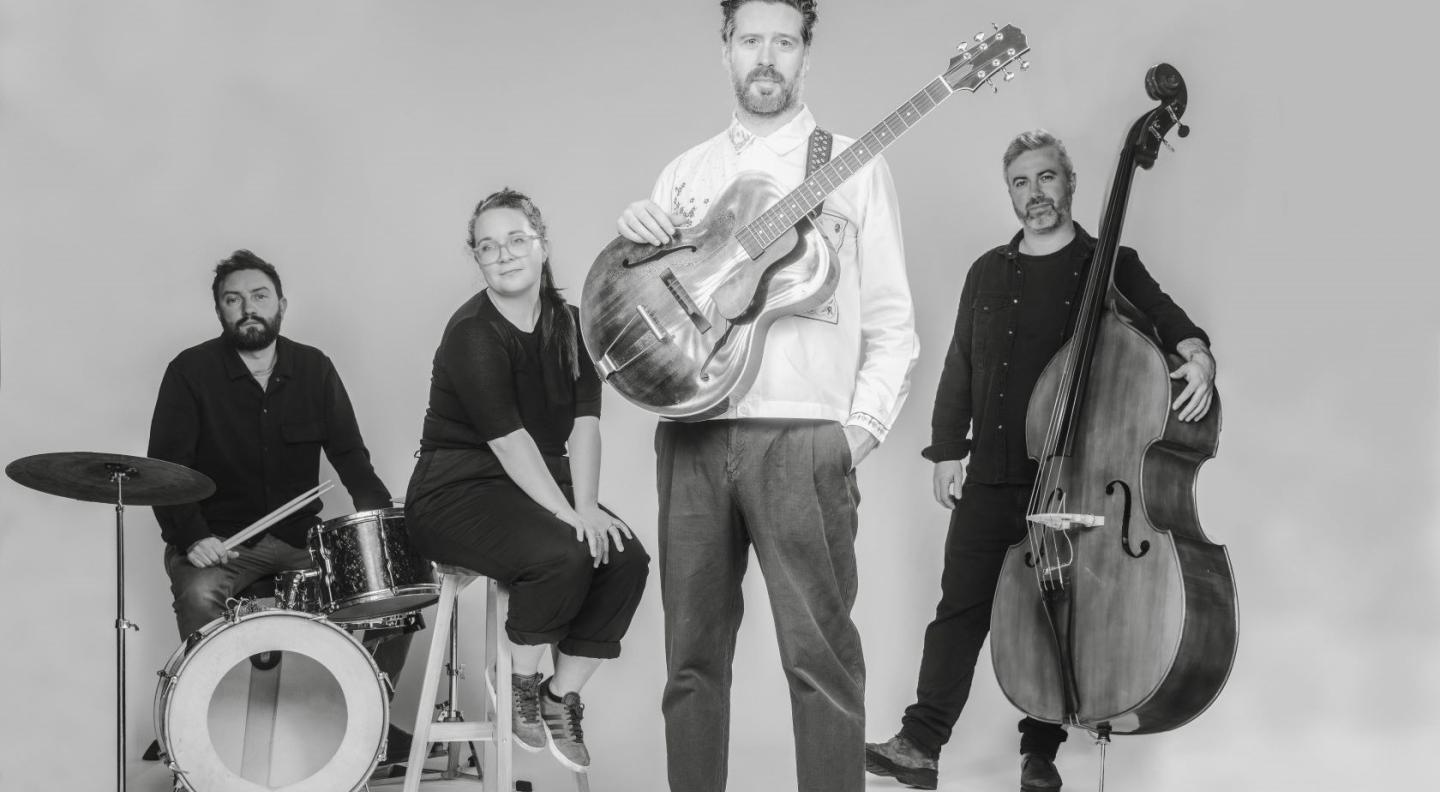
[[489, 378], [1005, 333], [261, 448]]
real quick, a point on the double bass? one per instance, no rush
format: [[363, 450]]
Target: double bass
[[1116, 614]]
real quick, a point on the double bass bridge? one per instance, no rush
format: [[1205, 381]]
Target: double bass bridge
[[1063, 521]]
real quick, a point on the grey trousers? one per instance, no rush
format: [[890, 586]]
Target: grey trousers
[[785, 488]]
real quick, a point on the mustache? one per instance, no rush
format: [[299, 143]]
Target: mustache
[[1034, 202], [764, 72]]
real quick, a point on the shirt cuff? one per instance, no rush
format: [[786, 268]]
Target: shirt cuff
[[942, 452], [869, 423]]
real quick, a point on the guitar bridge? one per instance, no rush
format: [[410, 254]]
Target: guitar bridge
[[687, 303]]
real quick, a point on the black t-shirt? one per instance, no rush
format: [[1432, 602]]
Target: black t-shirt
[[1048, 284], [490, 378]]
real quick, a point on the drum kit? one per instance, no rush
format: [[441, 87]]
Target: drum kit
[[366, 576]]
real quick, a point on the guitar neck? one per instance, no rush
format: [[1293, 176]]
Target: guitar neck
[[761, 232]]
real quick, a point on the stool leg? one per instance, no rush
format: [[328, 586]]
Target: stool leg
[[497, 606], [419, 746]]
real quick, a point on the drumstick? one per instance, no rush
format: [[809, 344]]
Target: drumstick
[[278, 515]]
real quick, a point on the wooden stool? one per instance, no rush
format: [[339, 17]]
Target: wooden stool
[[493, 725]]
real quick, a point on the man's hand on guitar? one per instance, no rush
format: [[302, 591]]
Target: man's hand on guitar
[[645, 222]]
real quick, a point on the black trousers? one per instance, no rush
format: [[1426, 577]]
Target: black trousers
[[987, 520], [490, 525]]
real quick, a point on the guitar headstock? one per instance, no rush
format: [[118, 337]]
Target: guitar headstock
[[979, 62], [1164, 84]]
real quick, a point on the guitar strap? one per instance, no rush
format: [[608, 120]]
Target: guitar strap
[[821, 143]]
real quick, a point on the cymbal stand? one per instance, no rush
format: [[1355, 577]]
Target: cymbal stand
[[118, 473]]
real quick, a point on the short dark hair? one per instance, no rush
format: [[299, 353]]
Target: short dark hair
[[244, 260], [807, 9]]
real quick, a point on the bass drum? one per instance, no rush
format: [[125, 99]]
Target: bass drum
[[314, 722]]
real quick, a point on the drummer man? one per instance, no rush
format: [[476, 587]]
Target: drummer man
[[252, 410]]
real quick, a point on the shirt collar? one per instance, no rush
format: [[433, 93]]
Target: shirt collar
[[1081, 235], [782, 141], [235, 367]]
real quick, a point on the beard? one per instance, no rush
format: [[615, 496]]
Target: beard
[[782, 96], [1036, 217], [251, 338]]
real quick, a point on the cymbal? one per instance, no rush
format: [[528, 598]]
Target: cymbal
[[88, 476]]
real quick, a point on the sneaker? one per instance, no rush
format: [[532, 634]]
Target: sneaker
[[1038, 774], [902, 759], [562, 722], [525, 712]]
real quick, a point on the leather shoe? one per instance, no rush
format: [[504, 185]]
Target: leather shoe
[[1038, 774], [901, 759]]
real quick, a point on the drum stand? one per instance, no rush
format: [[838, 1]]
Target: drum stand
[[454, 669], [118, 473]]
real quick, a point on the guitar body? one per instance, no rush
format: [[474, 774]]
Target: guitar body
[[678, 329]]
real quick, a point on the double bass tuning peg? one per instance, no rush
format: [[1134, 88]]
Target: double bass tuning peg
[[1181, 129]]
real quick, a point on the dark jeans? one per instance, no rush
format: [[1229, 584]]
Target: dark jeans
[[489, 525], [785, 488], [200, 593], [987, 520]]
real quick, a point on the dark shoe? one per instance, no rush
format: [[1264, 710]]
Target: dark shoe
[[397, 745], [1038, 774], [525, 712], [900, 758], [562, 721]]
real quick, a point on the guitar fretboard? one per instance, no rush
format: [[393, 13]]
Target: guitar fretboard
[[761, 232]]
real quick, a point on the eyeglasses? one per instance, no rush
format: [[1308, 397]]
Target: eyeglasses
[[487, 251]]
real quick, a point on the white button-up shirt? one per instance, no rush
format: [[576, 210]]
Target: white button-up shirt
[[848, 360]]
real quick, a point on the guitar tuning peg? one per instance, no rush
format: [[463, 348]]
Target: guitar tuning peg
[[1183, 131], [1009, 75], [979, 36], [1024, 65], [964, 45]]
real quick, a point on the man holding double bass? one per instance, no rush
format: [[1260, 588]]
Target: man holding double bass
[[776, 470], [1017, 308]]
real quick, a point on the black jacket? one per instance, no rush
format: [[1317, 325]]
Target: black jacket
[[977, 363]]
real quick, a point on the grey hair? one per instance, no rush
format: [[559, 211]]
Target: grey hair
[[1037, 139]]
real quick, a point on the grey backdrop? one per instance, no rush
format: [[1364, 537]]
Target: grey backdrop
[[347, 141]]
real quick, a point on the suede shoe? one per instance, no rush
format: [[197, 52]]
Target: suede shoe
[[900, 758], [562, 721], [1038, 774], [525, 712]]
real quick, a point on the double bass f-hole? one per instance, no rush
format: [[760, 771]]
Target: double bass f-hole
[[1125, 520]]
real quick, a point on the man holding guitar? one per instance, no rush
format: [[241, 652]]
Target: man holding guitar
[[1016, 310], [776, 468]]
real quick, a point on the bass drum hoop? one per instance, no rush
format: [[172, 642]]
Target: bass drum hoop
[[188, 684]]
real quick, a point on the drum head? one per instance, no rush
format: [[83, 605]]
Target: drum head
[[313, 723]]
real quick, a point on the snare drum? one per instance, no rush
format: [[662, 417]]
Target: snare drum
[[316, 722], [368, 570]]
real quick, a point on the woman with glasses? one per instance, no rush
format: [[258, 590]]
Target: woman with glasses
[[511, 391]]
